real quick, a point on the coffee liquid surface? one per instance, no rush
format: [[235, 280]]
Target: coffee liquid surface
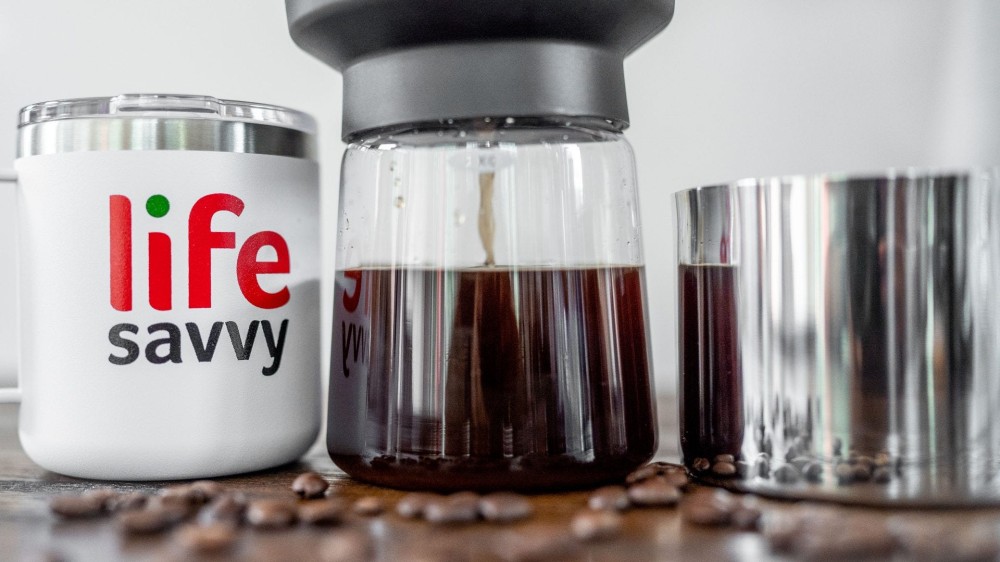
[[504, 378], [711, 395]]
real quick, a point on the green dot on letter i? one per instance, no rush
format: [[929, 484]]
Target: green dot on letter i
[[157, 206]]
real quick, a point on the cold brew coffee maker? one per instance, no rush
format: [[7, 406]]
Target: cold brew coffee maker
[[489, 323]]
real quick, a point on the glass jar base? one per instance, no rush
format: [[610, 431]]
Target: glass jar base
[[523, 474]]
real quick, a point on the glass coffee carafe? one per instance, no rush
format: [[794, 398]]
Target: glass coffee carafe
[[490, 324]]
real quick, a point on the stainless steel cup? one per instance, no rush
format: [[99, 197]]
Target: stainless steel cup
[[838, 336]]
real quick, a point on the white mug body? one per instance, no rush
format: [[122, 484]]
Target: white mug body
[[168, 311]]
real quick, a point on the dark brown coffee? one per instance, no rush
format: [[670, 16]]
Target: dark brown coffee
[[502, 378], [711, 394]]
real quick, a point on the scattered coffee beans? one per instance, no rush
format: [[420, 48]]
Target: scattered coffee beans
[[206, 490], [642, 473], [126, 502], [270, 514], [103, 495], [152, 519], [609, 497], [787, 474], [723, 468], [225, 508], [322, 512], [71, 506], [593, 525], [813, 472], [206, 538], [504, 507], [882, 475], [461, 507], [656, 492], [708, 507], [369, 506], [310, 485], [412, 505]]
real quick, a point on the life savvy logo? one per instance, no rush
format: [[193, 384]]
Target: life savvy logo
[[166, 347]]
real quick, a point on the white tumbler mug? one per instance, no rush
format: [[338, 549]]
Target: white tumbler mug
[[168, 286]]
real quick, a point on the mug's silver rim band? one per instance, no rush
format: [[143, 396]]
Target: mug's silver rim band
[[159, 133]]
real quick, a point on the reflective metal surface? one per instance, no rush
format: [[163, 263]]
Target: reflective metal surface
[[863, 364], [164, 122]]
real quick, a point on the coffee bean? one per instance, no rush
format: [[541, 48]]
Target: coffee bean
[[882, 475], [504, 507], [270, 514], [865, 461], [104, 495], [708, 507], [328, 511], [310, 485], [348, 545], [206, 490], [677, 478], [181, 493], [609, 497], [861, 472], [883, 459], [182, 505], [412, 505], [793, 453], [126, 502], [701, 464], [762, 468], [206, 538], [225, 508], [722, 468], [461, 507], [800, 462], [151, 519], [642, 473], [593, 525], [844, 473], [724, 458], [654, 493], [813, 472], [369, 506], [73, 506], [787, 474]]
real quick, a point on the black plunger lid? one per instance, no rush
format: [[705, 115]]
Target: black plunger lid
[[407, 61]]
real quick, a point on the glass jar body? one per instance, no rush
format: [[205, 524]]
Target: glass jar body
[[490, 326]]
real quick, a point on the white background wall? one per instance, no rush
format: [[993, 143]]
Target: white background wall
[[731, 89]]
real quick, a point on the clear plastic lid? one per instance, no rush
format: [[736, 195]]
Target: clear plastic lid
[[167, 105]]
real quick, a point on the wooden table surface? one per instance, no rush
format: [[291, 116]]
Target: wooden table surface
[[29, 531]]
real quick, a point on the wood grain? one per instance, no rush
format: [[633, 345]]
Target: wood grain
[[28, 530]]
